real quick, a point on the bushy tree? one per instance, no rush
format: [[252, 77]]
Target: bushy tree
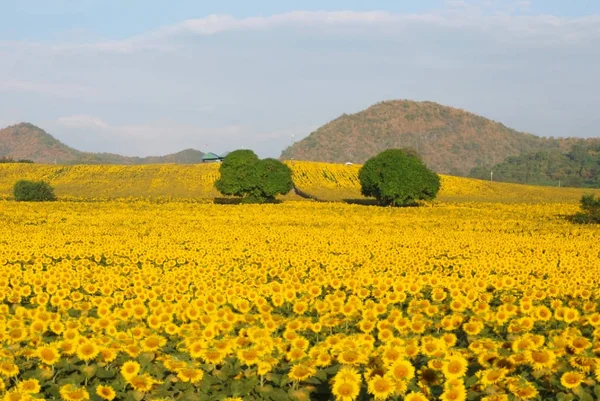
[[255, 181], [33, 191], [590, 210], [398, 177]]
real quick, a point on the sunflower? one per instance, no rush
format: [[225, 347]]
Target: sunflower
[[583, 363], [323, 359], [130, 369], [415, 397], [250, 356], [350, 357], [105, 392], [213, 356], [9, 369], [70, 392], [381, 387], [17, 334], [402, 370], [142, 383], [542, 359], [301, 372], [524, 391], [87, 351], [345, 390], [67, 347], [190, 375], [30, 386], [455, 393], [16, 395], [579, 344], [348, 374], [455, 367], [473, 327], [38, 327], [571, 379], [294, 354], [196, 349], [496, 397], [488, 377], [570, 315], [48, 354], [391, 354], [153, 343]]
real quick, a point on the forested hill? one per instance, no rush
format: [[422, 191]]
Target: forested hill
[[449, 140], [27, 142], [579, 167]]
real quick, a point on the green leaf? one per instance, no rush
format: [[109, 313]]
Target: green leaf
[[146, 358], [280, 395], [75, 378], [103, 373], [583, 395], [138, 395], [564, 397], [332, 370], [321, 375], [597, 391], [471, 381], [181, 386]]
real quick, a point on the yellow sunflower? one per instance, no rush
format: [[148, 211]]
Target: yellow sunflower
[[345, 390], [402, 370], [70, 392], [30, 386], [381, 387], [571, 379], [87, 351], [105, 392], [415, 397], [455, 367], [130, 369]]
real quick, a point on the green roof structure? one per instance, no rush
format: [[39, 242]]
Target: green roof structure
[[212, 157]]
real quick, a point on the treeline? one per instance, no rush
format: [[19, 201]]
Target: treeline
[[579, 167], [4, 159]]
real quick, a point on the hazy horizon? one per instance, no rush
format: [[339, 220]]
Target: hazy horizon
[[146, 78]]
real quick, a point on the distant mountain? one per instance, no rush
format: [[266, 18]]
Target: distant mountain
[[449, 140], [26, 141]]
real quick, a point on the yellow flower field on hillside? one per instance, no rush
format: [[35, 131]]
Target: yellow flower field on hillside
[[338, 182], [323, 181], [297, 301]]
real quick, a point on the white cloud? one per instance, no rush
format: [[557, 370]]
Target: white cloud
[[61, 90], [82, 121], [485, 16]]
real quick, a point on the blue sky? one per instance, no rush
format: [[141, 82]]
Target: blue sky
[[154, 77]]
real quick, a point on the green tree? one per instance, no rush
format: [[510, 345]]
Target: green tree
[[590, 210], [399, 178], [33, 191], [243, 174]]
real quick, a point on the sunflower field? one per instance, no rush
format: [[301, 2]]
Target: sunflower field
[[321, 181], [137, 300]]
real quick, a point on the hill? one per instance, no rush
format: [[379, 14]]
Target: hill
[[579, 167], [26, 141], [323, 181], [449, 140]]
